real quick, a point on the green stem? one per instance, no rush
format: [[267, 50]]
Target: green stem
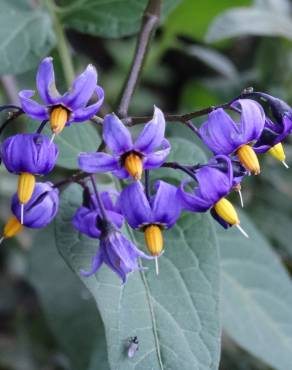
[[62, 44]]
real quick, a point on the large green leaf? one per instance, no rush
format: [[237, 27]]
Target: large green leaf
[[256, 296], [26, 36], [113, 18], [67, 305], [260, 21], [174, 315]]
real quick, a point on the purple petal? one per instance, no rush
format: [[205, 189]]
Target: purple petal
[[156, 159], [191, 201], [135, 206], [116, 135], [84, 114], [97, 162], [85, 221], [45, 81], [82, 89], [31, 107], [153, 133], [166, 206], [115, 218], [252, 120], [220, 133], [122, 173], [97, 261]]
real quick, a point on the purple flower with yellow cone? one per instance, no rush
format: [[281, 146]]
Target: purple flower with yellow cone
[[214, 184], [62, 110], [39, 210], [115, 250], [276, 128], [28, 155], [223, 135], [129, 158], [152, 215]]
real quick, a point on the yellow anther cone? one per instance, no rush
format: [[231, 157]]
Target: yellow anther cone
[[26, 184], [133, 164], [226, 211], [249, 159], [154, 239], [58, 119], [12, 227], [277, 151]]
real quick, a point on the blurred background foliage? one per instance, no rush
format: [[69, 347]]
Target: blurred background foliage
[[204, 53]]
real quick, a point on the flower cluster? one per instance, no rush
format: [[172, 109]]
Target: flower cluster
[[235, 133]]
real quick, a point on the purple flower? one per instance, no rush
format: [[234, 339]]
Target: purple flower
[[118, 253], [88, 220], [31, 153], [214, 183], [223, 135], [151, 216], [40, 209], [73, 103], [128, 157]]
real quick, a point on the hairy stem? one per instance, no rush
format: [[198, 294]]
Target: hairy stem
[[150, 21], [62, 44]]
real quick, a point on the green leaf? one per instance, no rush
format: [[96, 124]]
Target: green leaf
[[256, 296], [26, 35], [174, 315], [192, 18], [115, 18], [68, 307], [250, 21]]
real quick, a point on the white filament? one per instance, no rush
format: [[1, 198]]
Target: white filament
[[1, 239], [156, 266], [241, 198], [52, 139], [285, 164], [241, 230]]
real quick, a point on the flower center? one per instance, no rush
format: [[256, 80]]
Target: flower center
[[226, 211], [134, 165], [249, 159], [26, 184], [58, 119], [12, 227], [154, 239]]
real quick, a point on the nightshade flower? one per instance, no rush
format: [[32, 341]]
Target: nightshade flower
[[223, 135], [28, 155], [129, 158], [62, 110], [115, 250], [275, 129], [39, 210], [213, 185], [151, 216]]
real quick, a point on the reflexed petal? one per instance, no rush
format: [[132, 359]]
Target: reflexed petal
[[82, 89], [191, 201], [166, 206], [31, 107], [85, 221], [97, 261], [213, 184], [97, 162], [84, 114], [220, 133], [135, 206], [153, 133], [116, 135], [46, 82], [156, 159], [252, 120]]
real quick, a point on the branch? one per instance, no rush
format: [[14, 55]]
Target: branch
[[150, 21]]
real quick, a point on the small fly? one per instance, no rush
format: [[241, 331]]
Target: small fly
[[133, 346]]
